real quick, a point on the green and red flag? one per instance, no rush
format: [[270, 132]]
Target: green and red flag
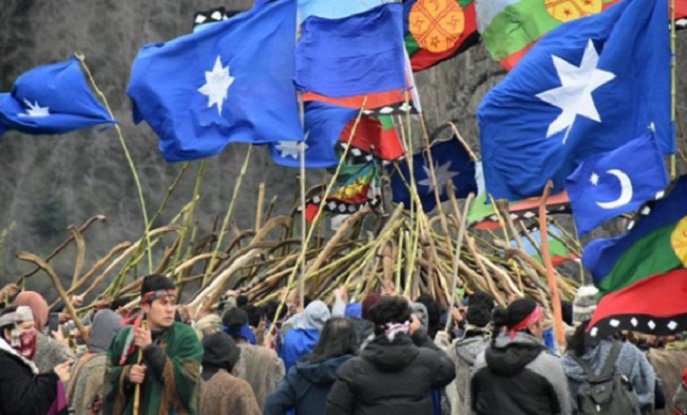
[[639, 263], [510, 28], [483, 215], [436, 30]]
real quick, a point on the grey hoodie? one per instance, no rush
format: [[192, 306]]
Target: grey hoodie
[[631, 362], [104, 328], [314, 316]]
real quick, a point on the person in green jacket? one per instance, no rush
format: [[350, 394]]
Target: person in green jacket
[[159, 356]]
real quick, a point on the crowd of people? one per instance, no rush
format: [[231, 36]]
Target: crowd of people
[[386, 354]]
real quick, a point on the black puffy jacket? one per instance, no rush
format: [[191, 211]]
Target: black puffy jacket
[[391, 378], [22, 392]]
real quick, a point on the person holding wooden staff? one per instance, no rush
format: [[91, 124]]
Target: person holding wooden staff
[[158, 357]]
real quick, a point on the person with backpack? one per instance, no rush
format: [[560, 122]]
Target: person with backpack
[[608, 376], [516, 375]]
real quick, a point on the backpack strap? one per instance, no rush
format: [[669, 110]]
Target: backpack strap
[[586, 368], [609, 365]]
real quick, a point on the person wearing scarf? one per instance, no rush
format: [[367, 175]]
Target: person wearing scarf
[[516, 375], [23, 390], [49, 352], [397, 370], [170, 354]]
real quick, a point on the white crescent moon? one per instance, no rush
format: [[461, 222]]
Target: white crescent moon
[[625, 191]]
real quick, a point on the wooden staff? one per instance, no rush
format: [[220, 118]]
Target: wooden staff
[[137, 391], [550, 277]]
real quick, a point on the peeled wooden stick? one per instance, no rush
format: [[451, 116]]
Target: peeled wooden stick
[[80, 252], [64, 244], [456, 258]]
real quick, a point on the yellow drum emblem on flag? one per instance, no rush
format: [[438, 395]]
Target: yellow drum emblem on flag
[[436, 25], [678, 240], [567, 10]]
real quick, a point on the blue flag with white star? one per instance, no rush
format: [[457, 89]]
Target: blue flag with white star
[[51, 99], [451, 162], [620, 181], [323, 126], [587, 87], [231, 82]]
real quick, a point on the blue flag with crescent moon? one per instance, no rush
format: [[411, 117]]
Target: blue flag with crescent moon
[[586, 88], [620, 181]]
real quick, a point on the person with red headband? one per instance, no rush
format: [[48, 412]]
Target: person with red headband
[[516, 375], [162, 356], [23, 389]]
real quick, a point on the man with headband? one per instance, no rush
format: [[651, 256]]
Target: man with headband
[[516, 375], [22, 389], [158, 356]]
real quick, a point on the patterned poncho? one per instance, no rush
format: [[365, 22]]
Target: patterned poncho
[[174, 390]]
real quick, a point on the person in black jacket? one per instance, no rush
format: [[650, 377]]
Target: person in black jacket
[[307, 385], [23, 391], [396, 372], [516, 375]]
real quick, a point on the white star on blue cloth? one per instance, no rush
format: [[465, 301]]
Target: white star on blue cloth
[[443, 174], [574, 96], [34, 110], [217, 83]]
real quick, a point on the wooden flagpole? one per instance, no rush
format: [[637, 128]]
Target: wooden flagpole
[[304, 245], [673, 83], [129, 159], [550, 277]]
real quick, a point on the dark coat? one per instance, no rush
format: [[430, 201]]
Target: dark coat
[[518, 377], [22, 392], [305, 388], [391, 377]]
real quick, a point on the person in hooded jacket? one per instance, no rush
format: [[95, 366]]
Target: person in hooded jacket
[[23, 390], [222, 393], [86, 391], [396, 372], [302, 338], [307, 385], [516, 375]]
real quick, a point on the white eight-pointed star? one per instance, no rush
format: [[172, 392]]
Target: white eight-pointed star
[[574, 96], [443, 174], [34, 110], [594, 179], [217, 83], [290, 149]]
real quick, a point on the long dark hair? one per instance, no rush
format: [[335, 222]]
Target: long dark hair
[[338, 338], [579, 341]]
